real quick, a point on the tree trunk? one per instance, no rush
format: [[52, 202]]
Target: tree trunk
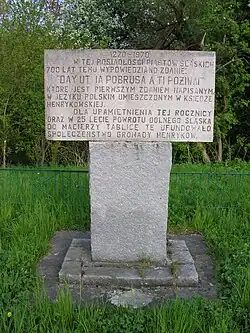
[[205, 156], [4, 153], [42, 151], [54, 152], [220, 148], [189, 156], [4, 131]]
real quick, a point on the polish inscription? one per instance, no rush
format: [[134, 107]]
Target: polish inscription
[[128, 95]]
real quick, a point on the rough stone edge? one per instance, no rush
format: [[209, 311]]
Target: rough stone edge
[[50, 265], [181, 272]]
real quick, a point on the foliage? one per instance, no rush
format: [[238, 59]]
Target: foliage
[[26, 30], [175, 24], [23, 36], [29, 27]]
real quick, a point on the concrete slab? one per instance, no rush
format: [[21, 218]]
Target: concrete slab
[[70, 272], [51, 264], [159, 276], [187, 275], [134, 298], [74, 254], [112, 276], [181, 257], [181, 270], [176, 244]]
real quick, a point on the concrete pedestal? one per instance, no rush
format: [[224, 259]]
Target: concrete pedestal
[[129, 200]]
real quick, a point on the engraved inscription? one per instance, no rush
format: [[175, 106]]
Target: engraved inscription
[[129, 95]]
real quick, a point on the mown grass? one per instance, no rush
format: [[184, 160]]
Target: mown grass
[[34, 204]]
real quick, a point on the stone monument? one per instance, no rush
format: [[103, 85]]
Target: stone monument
[[130, 105]]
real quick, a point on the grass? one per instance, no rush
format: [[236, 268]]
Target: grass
[[143, 264], [33, 205]]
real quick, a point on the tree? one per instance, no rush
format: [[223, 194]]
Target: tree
[[213, 25], [25, 31], [134, 24], [27, 27]]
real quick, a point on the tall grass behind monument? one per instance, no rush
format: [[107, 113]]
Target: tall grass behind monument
[[66, 193], [219, 192], [34, 204], [62, 192]]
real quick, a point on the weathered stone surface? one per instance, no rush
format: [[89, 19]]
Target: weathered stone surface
[[79, 242], [133, 297], [134, 274], [129, 200], [187, 275], [74, 253], [159, 276], [176, 245], [179, 253], [70, 272], [51, 264], [178, 85], [112, 276], [181, 257]]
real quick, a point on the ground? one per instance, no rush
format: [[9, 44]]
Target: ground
[[50, 266]]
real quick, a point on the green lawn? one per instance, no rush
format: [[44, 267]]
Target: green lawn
[[34, 204], [229, 167]]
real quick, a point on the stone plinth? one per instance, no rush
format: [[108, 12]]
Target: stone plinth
[[179, 270], [129, 200]]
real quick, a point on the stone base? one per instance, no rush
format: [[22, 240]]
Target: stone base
[[178, 270]]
